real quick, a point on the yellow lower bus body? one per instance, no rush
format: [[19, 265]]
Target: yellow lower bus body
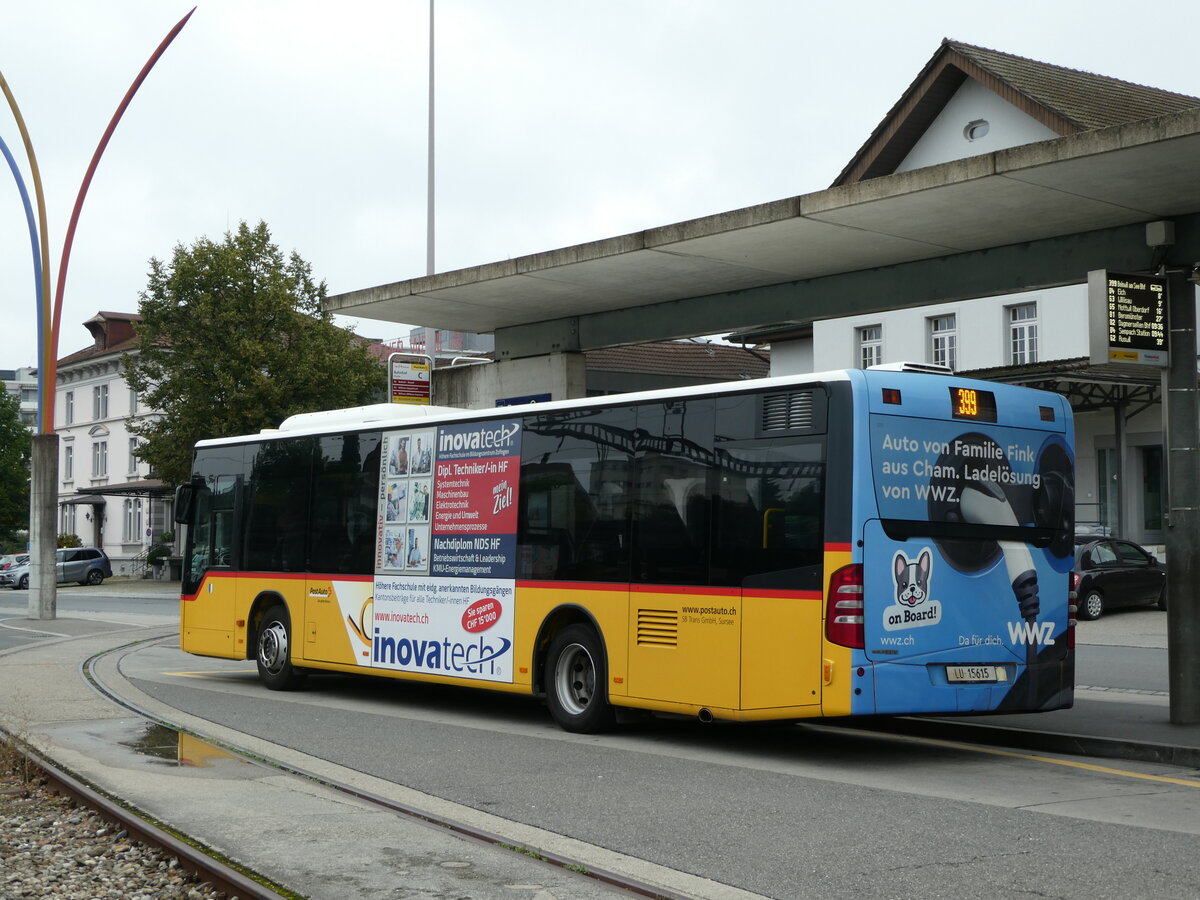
[[737, 655]]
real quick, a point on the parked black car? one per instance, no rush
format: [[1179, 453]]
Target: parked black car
[[1110, 573]]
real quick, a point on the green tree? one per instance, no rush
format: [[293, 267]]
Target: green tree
[[233, 339], [15, 442]]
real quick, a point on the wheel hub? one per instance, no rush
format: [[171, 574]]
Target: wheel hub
[[273, 647]]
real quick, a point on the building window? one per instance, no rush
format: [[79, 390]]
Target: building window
[[943, 340], [99, 459], [870, 345], [68, 519], [133, 521], [100, 402], [1023, 334], [133, 455], [69, 406], [133, 401], [68, 464]]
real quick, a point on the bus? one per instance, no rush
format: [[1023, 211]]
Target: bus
[[864, 542]]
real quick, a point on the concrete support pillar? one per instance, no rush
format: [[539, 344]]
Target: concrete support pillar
[[1183, 527], [43, 526], [554, 376]]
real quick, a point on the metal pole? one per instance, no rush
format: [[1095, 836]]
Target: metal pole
[[1124, 491], [429, 211], [1183, 492]]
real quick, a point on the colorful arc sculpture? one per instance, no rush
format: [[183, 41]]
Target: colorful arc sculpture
[[49, 318]]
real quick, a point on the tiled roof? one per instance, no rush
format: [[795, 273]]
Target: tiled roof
[[112, 332], [1066, 101], [721, 362], [1087, 100], [94, 352]]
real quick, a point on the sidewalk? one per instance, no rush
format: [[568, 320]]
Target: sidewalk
[[1104, 722]]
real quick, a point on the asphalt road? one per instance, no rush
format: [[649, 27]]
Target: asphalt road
[[783, 811]]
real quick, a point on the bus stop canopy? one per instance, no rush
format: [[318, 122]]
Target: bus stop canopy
[[1028, 217]]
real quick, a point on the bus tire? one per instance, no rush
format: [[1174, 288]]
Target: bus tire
[[576, 680], [273, 652]]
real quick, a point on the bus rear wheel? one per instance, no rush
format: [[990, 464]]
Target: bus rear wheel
[[273, 652], [576, 680]]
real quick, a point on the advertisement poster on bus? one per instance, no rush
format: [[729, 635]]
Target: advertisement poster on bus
[[457, 627], [405, 501], [972, 548], [475, 499], [446, 551]]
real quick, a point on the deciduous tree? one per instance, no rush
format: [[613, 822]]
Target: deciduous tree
[[233, 339], [14, 470]]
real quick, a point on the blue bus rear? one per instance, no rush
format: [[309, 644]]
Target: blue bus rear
[[963, 521]]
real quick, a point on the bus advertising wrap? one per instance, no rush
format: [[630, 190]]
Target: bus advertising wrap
[[446, 551], [969, 557]]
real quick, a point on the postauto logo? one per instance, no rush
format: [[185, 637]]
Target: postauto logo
[[477, 658]]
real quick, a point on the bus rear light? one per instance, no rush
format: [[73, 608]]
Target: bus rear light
[[844, 608], [892, 396], [1072, 609]]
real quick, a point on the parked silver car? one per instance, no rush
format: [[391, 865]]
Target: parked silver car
[[16, 559], [86, 565]]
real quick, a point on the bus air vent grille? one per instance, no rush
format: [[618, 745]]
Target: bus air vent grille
[[788, 411], [657, 628]]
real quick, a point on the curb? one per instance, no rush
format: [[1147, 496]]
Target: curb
[[1045, 741]]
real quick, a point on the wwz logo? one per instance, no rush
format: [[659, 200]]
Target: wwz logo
[[1031, 633]]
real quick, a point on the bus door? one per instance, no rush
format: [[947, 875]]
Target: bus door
[[207, 620], [769, 538]]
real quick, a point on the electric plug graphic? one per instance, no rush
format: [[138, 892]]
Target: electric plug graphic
[[984, 503]]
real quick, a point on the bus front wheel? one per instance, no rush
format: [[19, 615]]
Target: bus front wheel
[[274, 652], [576, 681]]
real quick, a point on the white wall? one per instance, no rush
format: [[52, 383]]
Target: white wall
[[788, 357], [944, 139], [81, 434], [982, 328]]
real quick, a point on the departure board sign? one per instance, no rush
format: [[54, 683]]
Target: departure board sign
[[1127, 318], [409, 379]]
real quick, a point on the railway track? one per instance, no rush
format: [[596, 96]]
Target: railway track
[[205, 867], [234, 881]]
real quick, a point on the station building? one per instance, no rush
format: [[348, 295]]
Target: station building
[[961, 233]]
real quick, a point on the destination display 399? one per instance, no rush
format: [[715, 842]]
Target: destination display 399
[[1127, 317]]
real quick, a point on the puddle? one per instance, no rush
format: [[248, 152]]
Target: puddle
[[170, 747]]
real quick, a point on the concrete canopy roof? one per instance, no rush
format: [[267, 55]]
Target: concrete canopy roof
[[1087, 182]]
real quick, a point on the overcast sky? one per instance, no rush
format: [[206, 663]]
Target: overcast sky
[[558, 121]]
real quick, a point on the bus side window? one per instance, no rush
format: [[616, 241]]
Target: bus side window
[[212, 543], [770, 514], [575, 487], [276, 505]]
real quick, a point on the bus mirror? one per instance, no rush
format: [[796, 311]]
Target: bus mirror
[[185, 502]]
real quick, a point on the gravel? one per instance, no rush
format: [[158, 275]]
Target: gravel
[[49, 847]]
